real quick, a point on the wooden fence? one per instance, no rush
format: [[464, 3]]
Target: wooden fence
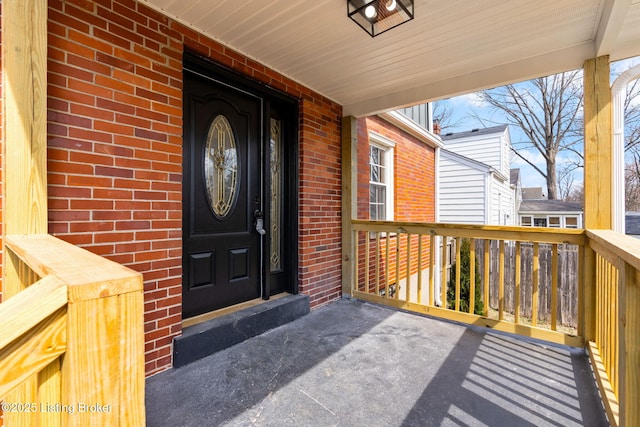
[[567, 278]]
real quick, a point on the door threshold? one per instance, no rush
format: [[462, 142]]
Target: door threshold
[[228, 310]]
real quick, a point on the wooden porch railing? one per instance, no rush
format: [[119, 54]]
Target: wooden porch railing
[[397, 264], [614, 341], [72, 342], [526, 278]]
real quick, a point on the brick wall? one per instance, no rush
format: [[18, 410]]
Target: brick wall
[[414, 172], [115, 152]]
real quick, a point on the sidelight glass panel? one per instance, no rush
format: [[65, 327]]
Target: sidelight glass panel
[[221, 166], [277, 188]]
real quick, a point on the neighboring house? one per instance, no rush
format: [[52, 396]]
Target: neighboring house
[[516, 187], [550, 213], [632, 224], [534, 193], [474, 177]]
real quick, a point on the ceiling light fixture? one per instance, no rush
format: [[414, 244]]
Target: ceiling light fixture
[[378, 16]]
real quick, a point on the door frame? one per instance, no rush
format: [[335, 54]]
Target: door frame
[[287, 106]]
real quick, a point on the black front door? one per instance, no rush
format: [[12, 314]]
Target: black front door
[[222, 195]]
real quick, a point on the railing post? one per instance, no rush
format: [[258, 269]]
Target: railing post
[[349, 201], [597, 144], [103, 368], [589, 293], [24, 101]]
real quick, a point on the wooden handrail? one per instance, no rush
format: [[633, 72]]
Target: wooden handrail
[[87, 274], [524, 234], [618, 245]]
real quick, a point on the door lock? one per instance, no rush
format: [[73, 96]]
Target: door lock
[[259, 222]]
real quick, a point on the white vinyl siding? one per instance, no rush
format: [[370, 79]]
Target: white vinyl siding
[[488, 152], [463, 192]]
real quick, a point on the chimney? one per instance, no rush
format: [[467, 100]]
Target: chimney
[[436, 128]]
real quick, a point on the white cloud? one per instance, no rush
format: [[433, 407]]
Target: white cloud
[[470, 100]]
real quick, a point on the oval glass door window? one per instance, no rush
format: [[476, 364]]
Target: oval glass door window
[[221, 166]]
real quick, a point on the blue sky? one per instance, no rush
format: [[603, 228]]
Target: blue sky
[[462, 106]]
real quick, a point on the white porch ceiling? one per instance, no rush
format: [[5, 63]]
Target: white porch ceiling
[[450, 48]]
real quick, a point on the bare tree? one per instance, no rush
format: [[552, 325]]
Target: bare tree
[[566, 181], [547, 110], [632, 184], [632, 146], [632, 118], [443, 115]]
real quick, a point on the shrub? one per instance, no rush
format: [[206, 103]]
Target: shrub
[[465, 282]]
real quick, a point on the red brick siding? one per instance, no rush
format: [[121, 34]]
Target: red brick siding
[[414, 172], [115, 152]]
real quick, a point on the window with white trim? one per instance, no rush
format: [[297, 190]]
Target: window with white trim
[[554, 221], [380, 177], [526, 221], [539, 222], [571, 222]]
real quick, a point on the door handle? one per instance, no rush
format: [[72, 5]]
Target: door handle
[[259, 222]]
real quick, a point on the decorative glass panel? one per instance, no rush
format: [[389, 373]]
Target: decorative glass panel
[[276, 195], [221, 166]]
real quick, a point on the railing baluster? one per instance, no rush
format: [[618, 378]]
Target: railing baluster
[[581, 289], [554, 288], [536, 280], [501, 283], [487, 260], [377, 263], [516, 311], [386, 265], [458, 262], [472, 275], [614, 329], [356, 255], [408, 291], [432, 266], [367, 254], [397, 293], [420, 237], [443, 281]]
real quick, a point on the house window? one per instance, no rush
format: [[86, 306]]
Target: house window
[[525, 221], [380, 178], [539, 222], [554, 221], [571, 222]]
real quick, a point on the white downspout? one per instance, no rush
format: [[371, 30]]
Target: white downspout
[[618, 95]]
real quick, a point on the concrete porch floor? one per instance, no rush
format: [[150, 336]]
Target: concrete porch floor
[[357, 364]]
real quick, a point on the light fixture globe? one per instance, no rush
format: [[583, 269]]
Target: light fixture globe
[[378, 16]]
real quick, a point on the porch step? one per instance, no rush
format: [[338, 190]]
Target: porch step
[[209, 337]]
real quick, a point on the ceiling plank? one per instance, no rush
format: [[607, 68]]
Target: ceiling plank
[[550, 63]]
